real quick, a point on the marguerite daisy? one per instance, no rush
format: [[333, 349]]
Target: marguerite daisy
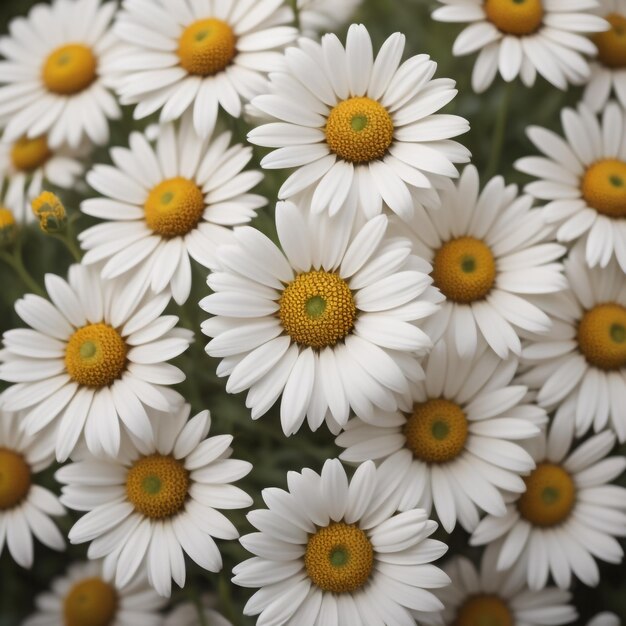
[[329, 551], [91, 362], [25, 506], [83, 597], [525, 37], [166, 204], [157, 500], [360, 130], [322, 16], [187, 614], [53, 75], [489, 251], [568, 514], [454, 443], [583, 179], [185, 55], [330, 323]]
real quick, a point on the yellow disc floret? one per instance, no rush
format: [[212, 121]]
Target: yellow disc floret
[[317, 309], [29, 154], [484, 610], [602, 336], [90, 602], [604, 187], [174, 207], [157, 486], [207, 47], [611, 43], [464, 270], [70, 69], [359, 130], [515, 17], [95, 355], [339, 558], [436, 431], [15, 478], [549, 497]]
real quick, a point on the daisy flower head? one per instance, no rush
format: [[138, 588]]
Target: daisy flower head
[[53, 76], [156, 501], [568, 516], [84, 597], [331, 323], [91, 362], [523, 38], [26, 508], [489, 250], [186, 614], [333, 551], [192, 56], [583, 180], [360, 131], [321, 16], [454, 443]]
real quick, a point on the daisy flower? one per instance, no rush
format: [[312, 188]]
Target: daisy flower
[[157, 500], [91, 362], [608, 71], [359, 130], [454, 443], [25, 506], [192, 56], [329, 551], [329, 323], [166, 204], [489, 250], [489, 597], [84, 596], [580, 366], [321, 16], [568, 514], [186, 614], [525, 38], [583, 180], [53, 76]]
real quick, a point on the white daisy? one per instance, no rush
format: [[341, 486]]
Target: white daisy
[[580, 367], [454, 443], [523, 38], [185, 55], [568, 514], [25, 506], [53, 75], [168, 203], [186, 614], [83, 596], [330, 323], [322, 16], [360, 130], [608, 71], [91, 362], [583, 180], [489, 251], [155, 501], [605, 619], [331, 551]]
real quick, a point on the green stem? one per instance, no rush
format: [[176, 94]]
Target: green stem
[[15, 261], [499, 133], [69, 241], [226, 605]]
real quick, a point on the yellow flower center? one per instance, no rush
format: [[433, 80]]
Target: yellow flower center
[[27, 155], [549, 497], [604, 187], [14, 478], [95, 355], [157, 486], [174, 207], [436, 432], [7, 219], [484, 610], [317, 309], [464, 270], [90, 602], [612, 43], [70, 69], [602, 336], [207, 47], [515, 17], [359, 130], [339, 558]]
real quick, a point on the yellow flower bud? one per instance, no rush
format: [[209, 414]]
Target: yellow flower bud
[[8, 228], [50, 211]]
